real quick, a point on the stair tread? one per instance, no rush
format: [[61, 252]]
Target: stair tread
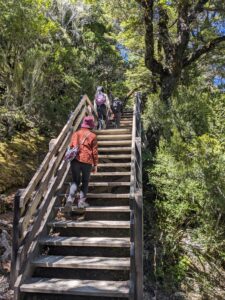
[[83, 262], [118, 136], [108, 195], [114, 183], [99, 209], [114, 149], [111, 174], [112, 131], [90, 224], [77, 287], [118, 143], [113, 156], [114, 165], [86, 241]]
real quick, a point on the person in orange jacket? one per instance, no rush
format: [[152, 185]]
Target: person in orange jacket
[[86, 159]]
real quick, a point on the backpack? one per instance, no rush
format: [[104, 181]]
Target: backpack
[[117, 106], [72, 153], [100, 98]]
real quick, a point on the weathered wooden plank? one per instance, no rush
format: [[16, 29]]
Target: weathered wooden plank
[[114, 183], [77, 287], [114, 143], [113, 156], [82, 262], [24, 222], [85, 241], [15, 238], [108, 196], [114, 137], [79, 119], [91, 224], [91, 105], [112, 131], [132, 192], [114, 165], [114, 149], [110, 174], [139, 244], [126, 122], [124, 209]]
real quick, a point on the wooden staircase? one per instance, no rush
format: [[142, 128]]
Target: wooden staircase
[[93, 252]]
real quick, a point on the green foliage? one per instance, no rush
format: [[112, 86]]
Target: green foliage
[[189, 175], [51, 53], [60, 51]]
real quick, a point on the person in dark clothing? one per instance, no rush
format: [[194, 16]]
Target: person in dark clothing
[[117, 108]]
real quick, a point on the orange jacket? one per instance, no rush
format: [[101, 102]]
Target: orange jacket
[[88, 152]]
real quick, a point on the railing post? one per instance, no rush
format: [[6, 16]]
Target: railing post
[[15, 238], [139, 245]]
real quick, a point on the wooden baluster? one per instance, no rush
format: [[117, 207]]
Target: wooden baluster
[[15, 238]]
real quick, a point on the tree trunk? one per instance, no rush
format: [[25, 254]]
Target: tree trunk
[[168, 83]]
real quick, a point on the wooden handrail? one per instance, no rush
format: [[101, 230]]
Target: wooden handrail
[[36, 197], [136, 205], [38, 175]]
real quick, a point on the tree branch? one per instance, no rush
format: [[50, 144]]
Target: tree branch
[[164, 37], [142, 3], [151, 62], [183, 37], [203, 50], [199, 7]]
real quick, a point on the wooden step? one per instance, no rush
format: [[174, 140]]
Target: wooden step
[[120, 137], [114, 143], [77, 287], [82, 262], [85, 241], [110, 174], [114, 149], [105, 184], [109, 183], [108, 196], [126, 125], [112, 131], [127, 117], [113, 156], [114, 165], [111, 209], [90, 224], [122, 121]]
